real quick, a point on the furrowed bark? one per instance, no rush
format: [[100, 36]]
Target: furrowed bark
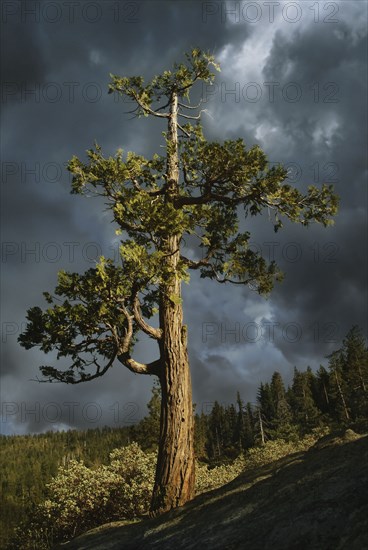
[[175, 474]]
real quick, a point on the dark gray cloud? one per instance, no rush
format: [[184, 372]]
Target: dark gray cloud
[[236, 338]]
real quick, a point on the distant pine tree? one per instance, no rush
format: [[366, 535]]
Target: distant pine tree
[[306, 414], [355, 372], [216, 431], [147, 431], [266, 402], [338, 389], [244, 426], [321, 391], [282, 420], [201, 436]]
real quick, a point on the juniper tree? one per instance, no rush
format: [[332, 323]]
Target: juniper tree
[[197, 189]]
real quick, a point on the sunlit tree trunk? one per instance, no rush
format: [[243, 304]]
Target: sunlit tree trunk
[[174, 484], [175, 473]]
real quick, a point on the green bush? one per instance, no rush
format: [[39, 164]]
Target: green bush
[[274, 450], [81, 498], [211, 478]]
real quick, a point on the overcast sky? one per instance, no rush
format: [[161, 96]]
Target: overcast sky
[[293, 80]]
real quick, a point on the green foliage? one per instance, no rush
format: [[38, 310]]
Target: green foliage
[[266, 400], [81, 498], [200, 436], [304, 408], [355, 372], [348, 379], [243, 435], [147, 431], [229, 431], [30, 462], [179, 80], [208, 478], [276, 449], [336, 396], [84, 326], [151, 208]]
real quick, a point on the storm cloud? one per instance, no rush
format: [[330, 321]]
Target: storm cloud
[[293, 80]]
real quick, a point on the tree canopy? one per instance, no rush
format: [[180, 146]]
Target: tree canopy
[[94, 317]]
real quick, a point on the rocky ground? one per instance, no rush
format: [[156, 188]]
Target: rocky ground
[[312, 500]]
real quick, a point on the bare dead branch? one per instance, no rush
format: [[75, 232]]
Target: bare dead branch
[[189, 106], [190, 117], [183, 130]]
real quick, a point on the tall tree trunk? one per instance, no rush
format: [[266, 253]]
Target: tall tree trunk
[[326, 394], [175, 471], [361, 378], [346, 411], [261, 426]]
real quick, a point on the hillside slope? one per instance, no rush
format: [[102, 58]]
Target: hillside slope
[[317, 499]]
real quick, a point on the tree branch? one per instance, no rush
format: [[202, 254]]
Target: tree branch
[[183, 130], [68, 376], [206, 263], [189, 106], [192, 264], [140, 368], [151, 193], [206, 197], [155, 333], [148, 109], [197, 117], [163, 107]]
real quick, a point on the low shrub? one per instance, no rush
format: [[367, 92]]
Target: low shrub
[[208, 478], [81, 498], [278, 448]]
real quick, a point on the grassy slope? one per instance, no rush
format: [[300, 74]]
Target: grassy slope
[[317, 499]]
